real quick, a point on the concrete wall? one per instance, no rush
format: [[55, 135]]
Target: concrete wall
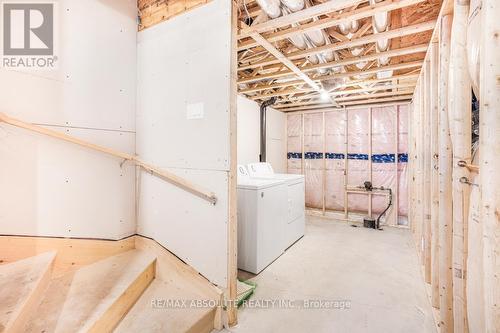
[[52, 188], [249, 135], [183, 126]]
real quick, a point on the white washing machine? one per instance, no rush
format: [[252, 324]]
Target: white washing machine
[[295, 221], [261, 221]]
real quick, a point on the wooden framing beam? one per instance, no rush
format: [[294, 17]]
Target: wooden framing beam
[[347, 16], [489, 143], [459, 101], [434, 173], [336, 93], [371, 101], [351, 61], [305, 14], [426, 154], [231, 291], [445, 183], [403, 65], [285, 61], [375, 101], [405, 31], [273, 86]]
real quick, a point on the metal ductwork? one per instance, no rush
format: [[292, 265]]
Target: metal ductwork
[[263, 136]]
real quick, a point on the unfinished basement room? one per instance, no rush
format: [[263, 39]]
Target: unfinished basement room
[[250, 166]]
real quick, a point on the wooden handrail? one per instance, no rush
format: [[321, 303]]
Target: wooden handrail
[[163, 174]]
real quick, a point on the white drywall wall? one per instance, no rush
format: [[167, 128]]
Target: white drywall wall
[[52, 188], [183, 126], [276, 140], [248, 131], [249, 135]]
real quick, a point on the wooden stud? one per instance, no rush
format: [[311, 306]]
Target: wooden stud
[[232, 225], [421, 167], [434, 173], [324, 165], [490, 159], [370, 160], [459, 101], [346, 162], [396, 171], [426, 154], [445, 214], [303, 162]]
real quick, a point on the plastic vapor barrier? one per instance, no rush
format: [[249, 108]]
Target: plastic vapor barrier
[[345, 148]]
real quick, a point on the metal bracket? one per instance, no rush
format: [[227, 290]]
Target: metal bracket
[[465, 180]]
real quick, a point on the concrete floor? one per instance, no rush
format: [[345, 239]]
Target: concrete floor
[[376, 271]]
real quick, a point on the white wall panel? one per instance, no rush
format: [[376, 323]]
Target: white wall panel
[[53, 188], [276, 140], [183, 61], [248, 131], [190, 227], [95, 83], [183, 126], [249, 135]]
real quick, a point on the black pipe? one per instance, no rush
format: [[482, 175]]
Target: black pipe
[[368, 187], [389, 205], [263, 108]]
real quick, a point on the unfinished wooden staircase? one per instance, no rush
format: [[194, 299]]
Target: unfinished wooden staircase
[[134, 290]]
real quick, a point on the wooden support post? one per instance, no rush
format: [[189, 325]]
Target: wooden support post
[[324, 165], [434, 112], [302, 164], [459, 102], [346, 163], [232, 229], [445, 183], [412, 181], [370, 162], [420, 183], [396, 171], [489, 146], [427, 172]]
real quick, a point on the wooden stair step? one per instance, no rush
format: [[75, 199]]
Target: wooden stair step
[[150, 315], [96, 297], [21, 285]]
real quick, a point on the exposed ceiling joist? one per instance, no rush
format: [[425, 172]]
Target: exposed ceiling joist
[[273, 86], [338, 93], [350, 61], [405, 31], [305, 14], [324, 23], [285, 61], [402, 65]]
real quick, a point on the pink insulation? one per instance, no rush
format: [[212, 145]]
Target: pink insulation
[[357, 168], [335, 128], [383, 142], [313, 146], [388, 160]]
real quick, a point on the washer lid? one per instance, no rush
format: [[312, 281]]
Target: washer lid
[[258, 184]]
